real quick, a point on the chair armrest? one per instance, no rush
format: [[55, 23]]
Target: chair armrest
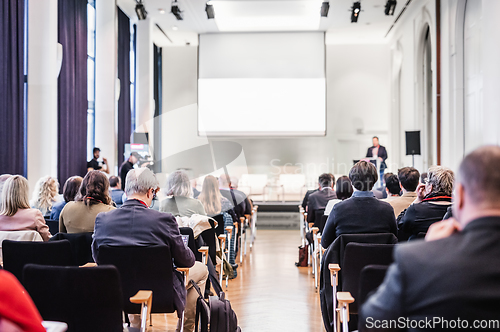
[[314, 230], [203, 250], [89, 265], [344, 299], [142, 296], [185, 271], [334, 269]]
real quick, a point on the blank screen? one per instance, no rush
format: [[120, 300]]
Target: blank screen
[[257, 84]]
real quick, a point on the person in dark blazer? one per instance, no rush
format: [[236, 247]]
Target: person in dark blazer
[[379, 151], [135, 224], [127, 166], [319, 200], [432, 201], [306, 197], [362, 213], [454, 273]]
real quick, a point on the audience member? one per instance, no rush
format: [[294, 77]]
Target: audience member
[[453, 276], [135, 224], [408, 178], [92, 199], [181, 202], [115, 187], [343, 189], [380, 192], [3, 178], [306, 197], [362, 213], [433, 199], [45, 195], [93, 164], [211, 198], [128, 165], [319, 199], [392, 187], [70, 189], [236, 198], [17, 310], [16, 214], [248, 202], [423, 177]]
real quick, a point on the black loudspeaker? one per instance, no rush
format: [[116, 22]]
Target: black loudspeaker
[[412, 142]]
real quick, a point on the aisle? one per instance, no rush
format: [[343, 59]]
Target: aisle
[[270, 293]]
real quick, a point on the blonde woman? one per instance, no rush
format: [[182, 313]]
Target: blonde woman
[[211, 198], [16, 214], [45, 195]]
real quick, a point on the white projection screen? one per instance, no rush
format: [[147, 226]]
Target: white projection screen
[[262, 84]]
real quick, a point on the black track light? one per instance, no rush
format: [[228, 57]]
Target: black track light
[[209, 8], [356, 9], [140, 10], [325, 7], [176, 11], [390, 7]]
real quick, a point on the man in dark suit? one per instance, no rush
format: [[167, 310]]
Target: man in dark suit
[[362, 213], [378, 151], [135, 224], [128, 165], [306, 197], [319, 200], [455, 273]]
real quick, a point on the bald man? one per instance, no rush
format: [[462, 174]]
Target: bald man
[[453, 276]]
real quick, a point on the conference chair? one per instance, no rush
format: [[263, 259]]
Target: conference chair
[[318, 215], [18, 236], [81, 246], [87, 299], [314, 231], [144, 268], [17, 254], [191, 242], [53, 226], [210, 238], [356, 257], [344, 299], [370, 279], [222, 239], [334, 254]]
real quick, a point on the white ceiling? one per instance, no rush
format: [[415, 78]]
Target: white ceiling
[[256, 15]]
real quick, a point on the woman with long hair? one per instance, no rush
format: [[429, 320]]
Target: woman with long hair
[[45, 194], [16, 214], [91, 199], [180, 201], [70, 189], [211, 198]]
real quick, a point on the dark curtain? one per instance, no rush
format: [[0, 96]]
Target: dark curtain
[[72, 90], [12, 118], [124, 108], [157, 69]]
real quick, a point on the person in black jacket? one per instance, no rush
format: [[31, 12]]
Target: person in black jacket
[[454, 273], [319, 200], [430, 206], [127, 166], [378, 151], [362, 213]]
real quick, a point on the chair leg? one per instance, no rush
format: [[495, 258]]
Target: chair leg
[[182, 322], [144, 317], [150, 319]]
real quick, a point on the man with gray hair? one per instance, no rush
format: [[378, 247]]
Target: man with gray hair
[[452, 280], [433, 199], [135, 224]]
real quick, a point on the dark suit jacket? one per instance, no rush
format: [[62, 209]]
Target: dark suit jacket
[[124, 169], [458, 276], [318, 201], [237, 200], [417, 218], [306, 197], [382, 153], [133, 224], [362, 213]]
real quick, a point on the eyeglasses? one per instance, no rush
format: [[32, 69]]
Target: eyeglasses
[[154, 192]]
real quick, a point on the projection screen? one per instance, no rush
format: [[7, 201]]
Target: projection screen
[[262, 84]]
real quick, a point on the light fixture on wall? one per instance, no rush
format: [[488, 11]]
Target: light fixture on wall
[[161, 11], [356, 9], [209, 8], [140, 10], [325, 7], [390, 7], [176, 10]]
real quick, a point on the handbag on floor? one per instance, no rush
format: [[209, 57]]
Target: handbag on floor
[[303, 252], [216, 315]]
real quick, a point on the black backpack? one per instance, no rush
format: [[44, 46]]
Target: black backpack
[[216, 315]]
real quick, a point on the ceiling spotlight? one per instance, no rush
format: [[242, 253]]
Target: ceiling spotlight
[[175, 28], [140, 10], [325, 7], [390, 7], [176, 11], [209, 8], [356, 9], [161, 10]]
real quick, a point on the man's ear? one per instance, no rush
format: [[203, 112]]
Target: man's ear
[[459, 198]]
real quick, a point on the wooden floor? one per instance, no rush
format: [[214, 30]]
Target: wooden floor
[[270, 292]]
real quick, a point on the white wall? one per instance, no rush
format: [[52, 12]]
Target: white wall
[[358, 98]]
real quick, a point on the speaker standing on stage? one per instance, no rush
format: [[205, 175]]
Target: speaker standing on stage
[[379, 151]]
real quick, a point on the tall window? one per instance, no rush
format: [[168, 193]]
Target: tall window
[[25, 87], [133, 39], [91, 23]]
